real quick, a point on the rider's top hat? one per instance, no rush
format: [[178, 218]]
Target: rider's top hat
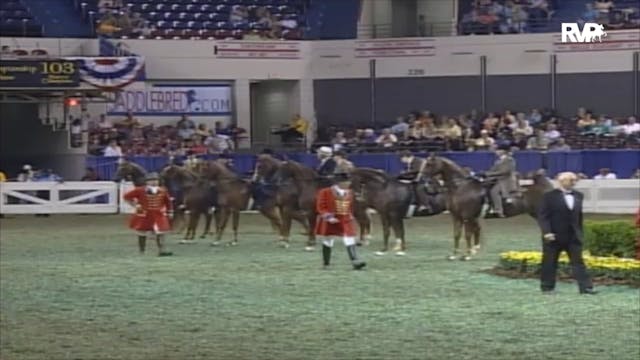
[[152, 176]]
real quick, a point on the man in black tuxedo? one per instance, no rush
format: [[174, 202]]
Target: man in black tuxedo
[[560, 219]]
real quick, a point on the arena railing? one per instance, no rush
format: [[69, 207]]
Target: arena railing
[[102, 197]]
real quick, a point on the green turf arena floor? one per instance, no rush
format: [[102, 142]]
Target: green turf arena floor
[[74, 287]]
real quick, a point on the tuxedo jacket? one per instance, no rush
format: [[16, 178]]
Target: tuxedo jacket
[[554, 216]]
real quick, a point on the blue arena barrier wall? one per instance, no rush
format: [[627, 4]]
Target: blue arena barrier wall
[[622, 162]]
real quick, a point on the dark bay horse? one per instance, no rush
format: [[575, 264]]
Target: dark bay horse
[[389, 197], [190, 194], [130, 171], [232, 196], [466, 198]]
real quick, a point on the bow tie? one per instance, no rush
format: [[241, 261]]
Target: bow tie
[[568, 192]]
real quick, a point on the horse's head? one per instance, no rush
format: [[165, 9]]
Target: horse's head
[[130, 171], [362, 178], [295, 171], [216, 170], [435, 165], [174, 176], [266, 165]]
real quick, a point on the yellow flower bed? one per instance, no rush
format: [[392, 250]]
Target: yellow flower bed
[[610, 263], [529, 262]]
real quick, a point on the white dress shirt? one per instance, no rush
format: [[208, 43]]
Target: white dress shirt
[[569, 199]]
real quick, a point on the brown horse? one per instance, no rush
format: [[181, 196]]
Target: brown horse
[[190, 195], [466, 198], [389, 197], [232, 196]]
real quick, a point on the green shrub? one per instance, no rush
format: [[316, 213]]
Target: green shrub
[[610, 238]]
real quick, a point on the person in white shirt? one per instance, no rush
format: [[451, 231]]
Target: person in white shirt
[[632, 126], [605, 174], [552, 133], [113, 149], [387, 139]]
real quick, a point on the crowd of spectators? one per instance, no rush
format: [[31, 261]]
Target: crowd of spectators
[[521, 16], [614, 15], [535, 130], [130, 137], [506, 17], [115, 19]]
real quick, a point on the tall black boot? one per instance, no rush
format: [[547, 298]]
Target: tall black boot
[[161, 249], [355, 261], [326, 255], [142, 242]]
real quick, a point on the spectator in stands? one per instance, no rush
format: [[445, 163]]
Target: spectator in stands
[[197, 147], [484, 142], [90, 175], [108, 25], [522, 128], [538, 142], [239, 15], [535, 117], [295, 131], [218, 143], [113, 149], [202, 132], [585, 122], [369, 136], [590, 14], [605, 174], [559, 145], [519, 142], [339, 141], [95, 148], [400, 128], [632, 126], [185, 131], [636, 174], [104, 123], [601, 127], [552, 133], [453, 132], [414, 132], [603, 6], [386, 139]]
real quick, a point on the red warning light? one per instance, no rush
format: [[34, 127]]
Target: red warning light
[[72, 102]]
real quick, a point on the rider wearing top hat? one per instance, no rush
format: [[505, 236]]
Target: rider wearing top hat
[[153, 209], [414, 171], [327, 164], [504, 170], [335, 219]]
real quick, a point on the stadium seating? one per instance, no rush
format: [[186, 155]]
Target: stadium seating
[[206, 19], [16, 19]]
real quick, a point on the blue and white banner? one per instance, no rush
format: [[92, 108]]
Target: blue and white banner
[[146, 99]]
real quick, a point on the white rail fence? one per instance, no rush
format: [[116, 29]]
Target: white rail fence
[[104, 197]]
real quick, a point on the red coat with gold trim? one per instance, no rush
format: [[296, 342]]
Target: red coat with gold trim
[[330, 205], [151, 215]]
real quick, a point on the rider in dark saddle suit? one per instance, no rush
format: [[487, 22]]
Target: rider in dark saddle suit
[[327, 166], [506, 186], [414, 171]]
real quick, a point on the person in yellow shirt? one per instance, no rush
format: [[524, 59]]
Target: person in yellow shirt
[[3, 177], [297, 130]]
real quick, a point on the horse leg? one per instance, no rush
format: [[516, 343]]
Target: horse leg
[[457, 232], [286, 213], [385, 234], [224, 217], [207, 225], [364, 223], [469, 227], [477, 231], [397, 222], [271, 213], [194, 217], [236, 221], [311, 239]]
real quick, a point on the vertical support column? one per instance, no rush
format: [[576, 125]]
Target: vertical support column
[[242, 103], [365, 22], [483, 83], [636, 83], [372, 84], [307, 108], [553, 72]]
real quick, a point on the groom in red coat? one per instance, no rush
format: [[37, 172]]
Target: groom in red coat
[[153, 209], [335, 219]]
